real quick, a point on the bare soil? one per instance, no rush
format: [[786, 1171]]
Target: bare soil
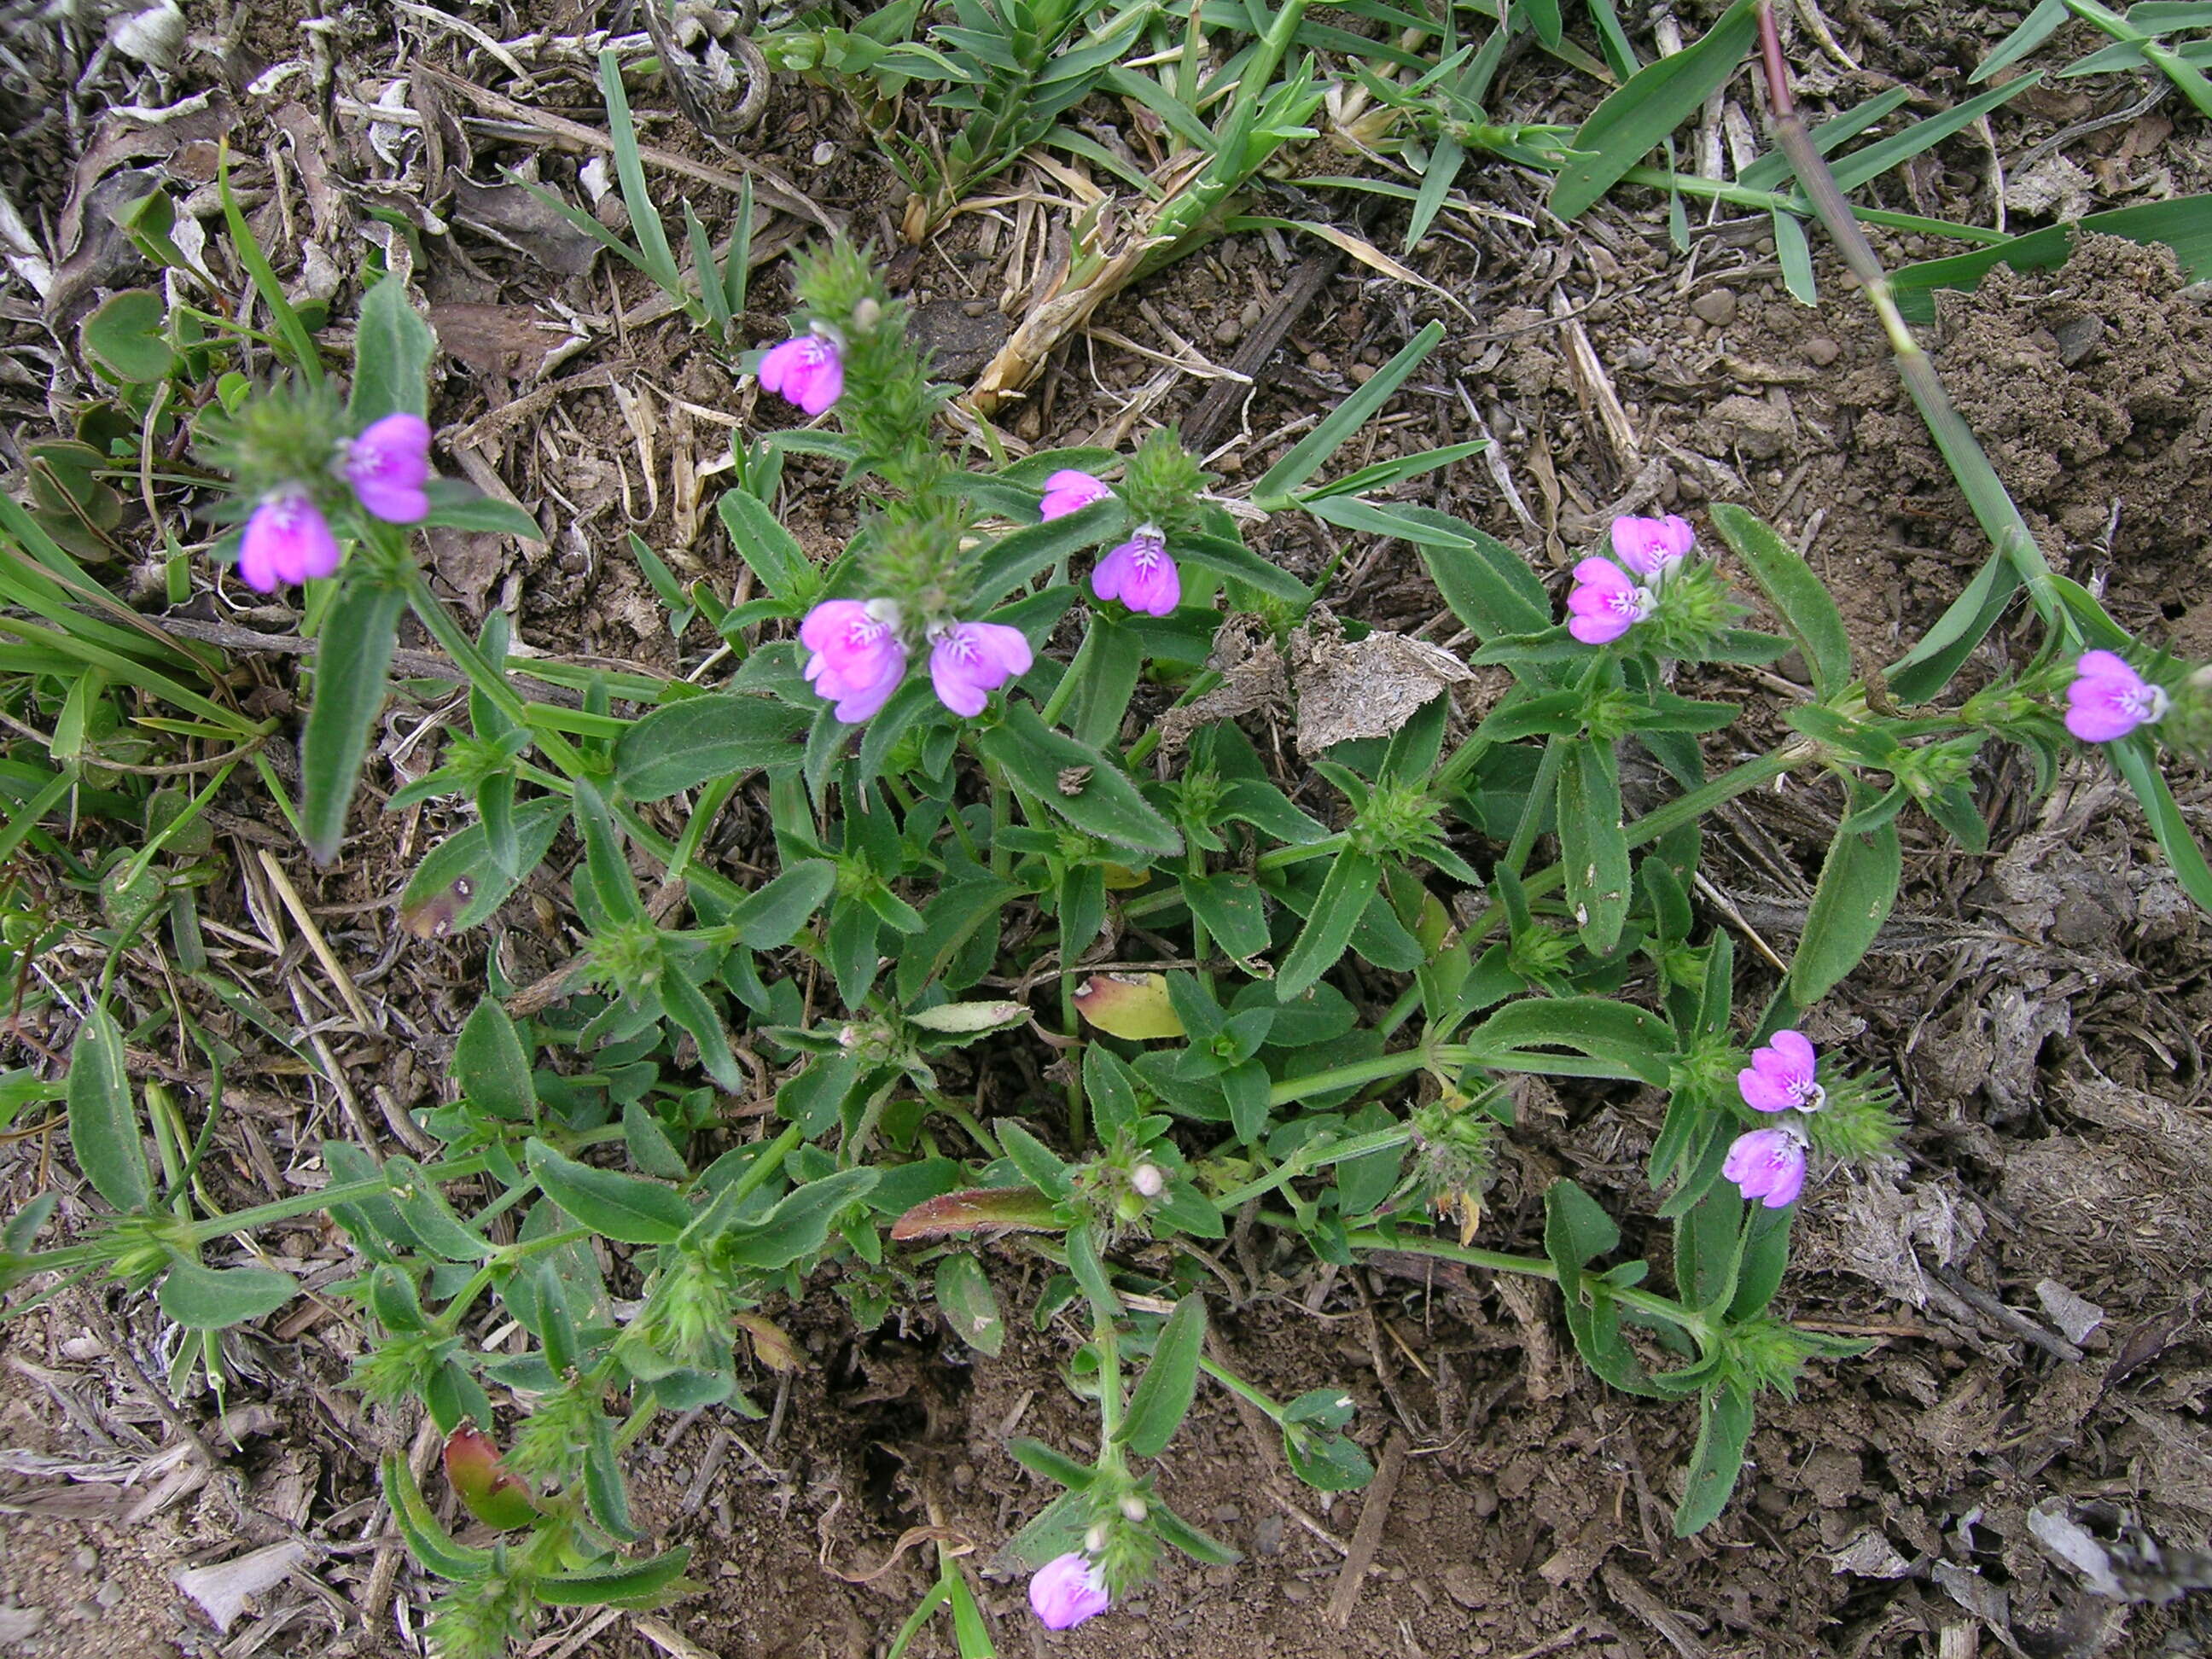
[[2044, 1007]]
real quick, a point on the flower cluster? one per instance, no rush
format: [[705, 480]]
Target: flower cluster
[[858, 656], [287, 539], [1769, 1164], [1607, 601], [1139, 572]]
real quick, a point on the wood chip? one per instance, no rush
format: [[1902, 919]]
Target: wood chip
[[1367, 1539]]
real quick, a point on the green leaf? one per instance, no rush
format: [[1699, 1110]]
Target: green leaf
[[1225, 557], [1800, 598], [1327, 1462], [1624, 1041], [1647, 107], [1345, 893], [773, 554], [2184, 224], [605, 1489], [797, 1226], [428, 1216], [2185, 853], [124, 337], [428, 1541], [1179, 1534], [1724, 1419], [458, 885], [640, 1585], [1163, 1396], [457, 505], [1311, 453], [1488, 586], [351, 661], [1593, 845], [1076, 782], [1858, 885], [392, 352], [1040, 1459], [1038, 1164], [770, 916], [1232, 909], [968, 1304], [684, 744], [622, 1206], [207, 1298], [103, 1120], [648, 1144], [490, 1067]]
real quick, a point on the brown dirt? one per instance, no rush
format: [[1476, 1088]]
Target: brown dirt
[[2044, 1007]]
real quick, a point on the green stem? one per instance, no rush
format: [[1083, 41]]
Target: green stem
[[1243, 1390], [1326, 846], [1529, 1266], [454, 639], [1358, 1074], [1064, 693], [261, 1215], [1307, 1159]]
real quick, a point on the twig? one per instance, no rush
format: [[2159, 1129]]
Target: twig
[[1367, 1538], [1648, 1607], [2013, 1321]]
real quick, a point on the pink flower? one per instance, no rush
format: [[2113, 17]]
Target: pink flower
[[972, 659], [810, 371], [1066, 1590], [1605, 603], [2107, 699], [1768, 1165], [1070, 491], [1140, 573], [1652, 547], [858, 656], [387, 467], [1780, 1076], [286, 541], [1149, 1179]]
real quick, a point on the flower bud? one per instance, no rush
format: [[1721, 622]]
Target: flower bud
[[1149, 1180], [1134, 1508]]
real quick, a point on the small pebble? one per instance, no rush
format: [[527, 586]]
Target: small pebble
[[1483, 1495], [87, 1558], [1821, 351], [109, 1594], [1227, 1514], [1717, 306], [1294, 1591], [1267, 1536], [1463, 1584], [824, 154]]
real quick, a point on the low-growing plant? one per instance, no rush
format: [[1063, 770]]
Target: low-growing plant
[[992, 767]]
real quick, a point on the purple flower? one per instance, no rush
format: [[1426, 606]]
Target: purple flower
[[286, 541], [810, 371], [858, 656], [1605, 603], [970, 660], [1140, 573], [2107, 699], [1780, 1076], [1652, 547], [387, 467], [1769, 1165], [1066, 1590], [1070, 491]]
